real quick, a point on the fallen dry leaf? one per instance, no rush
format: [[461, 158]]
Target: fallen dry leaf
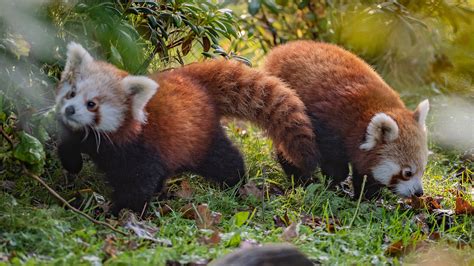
[[274, 189], [140, 228], [281, 221], [311, 220], [185, 192], [251, 189], [164, 209], [291, 232], [332, 224], [109, 246], [463, 206], [398, 248], [395, 249], [331, 228], [425, 202], [188, 211], [434, 236], [204, 217], [214, 239]]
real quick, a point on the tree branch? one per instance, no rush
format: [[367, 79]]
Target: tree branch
[[57, 196], [5, 135]]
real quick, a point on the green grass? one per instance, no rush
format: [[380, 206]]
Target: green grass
[[35, 230]]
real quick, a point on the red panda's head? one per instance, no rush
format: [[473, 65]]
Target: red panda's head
[[398, 143], [98, 96]]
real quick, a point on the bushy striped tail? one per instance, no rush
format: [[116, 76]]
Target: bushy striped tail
[[245, 93]]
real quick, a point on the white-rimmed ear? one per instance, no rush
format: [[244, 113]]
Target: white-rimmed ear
[[141, 89], [77, 57], [381, 128], [421, 112]]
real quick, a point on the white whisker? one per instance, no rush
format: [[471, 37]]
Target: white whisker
[[110, 140], [44, 110], [96, 138], [86, 134], [98, 145]]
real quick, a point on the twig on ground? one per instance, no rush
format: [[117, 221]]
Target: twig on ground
[[5, 135], [57, 196]]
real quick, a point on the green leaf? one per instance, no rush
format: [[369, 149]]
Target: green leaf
[[208, 55], [254, 6], [30, 151], [152, 22], [240, 218], [303, 4], [177, 20], [234, 241], [272, 6], [115, 56], [242, 59]]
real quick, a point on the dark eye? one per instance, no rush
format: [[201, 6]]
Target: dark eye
[[71, 94], [407, 173], [91, 105]]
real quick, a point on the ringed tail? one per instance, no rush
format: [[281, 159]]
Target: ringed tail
[[246, 93]]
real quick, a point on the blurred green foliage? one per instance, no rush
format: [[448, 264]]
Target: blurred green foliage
[[419, 47]]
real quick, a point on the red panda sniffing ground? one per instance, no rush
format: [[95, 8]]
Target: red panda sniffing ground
[[140, 130], [357, 117]]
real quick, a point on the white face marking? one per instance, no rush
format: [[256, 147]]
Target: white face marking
[[105, 88], [385, 170], [81, 117], [111, 117], [63, 91], [410, 187]]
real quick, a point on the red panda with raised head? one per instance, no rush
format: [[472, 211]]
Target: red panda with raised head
[[357, 117], [140, 130]]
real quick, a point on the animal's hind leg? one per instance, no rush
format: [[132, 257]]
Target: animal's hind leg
[[224, 163], [335, 168], [334, 160]]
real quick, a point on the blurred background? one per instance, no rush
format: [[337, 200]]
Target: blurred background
[[423, 49]]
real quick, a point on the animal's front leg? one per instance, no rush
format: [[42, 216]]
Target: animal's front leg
[[372, 188], [69, 151], [134, 185]]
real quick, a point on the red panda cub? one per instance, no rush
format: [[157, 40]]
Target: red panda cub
[[357, 118], [140, 130]]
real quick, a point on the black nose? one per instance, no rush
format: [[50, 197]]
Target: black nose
[[70, 110], [419, 193]]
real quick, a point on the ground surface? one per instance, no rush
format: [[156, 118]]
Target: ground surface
[[202, 222]]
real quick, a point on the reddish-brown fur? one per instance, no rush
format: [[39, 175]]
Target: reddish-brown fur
[[343, 93], [142, 133], [185, 112]]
